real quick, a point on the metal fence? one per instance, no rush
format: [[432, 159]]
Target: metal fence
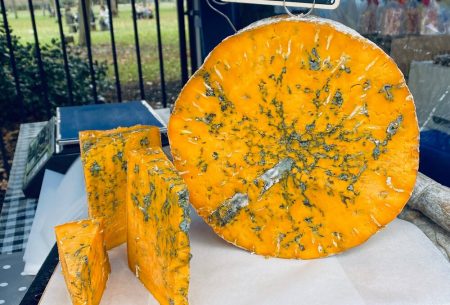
[[182, 12]]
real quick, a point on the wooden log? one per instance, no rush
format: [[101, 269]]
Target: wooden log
[[432, 199]]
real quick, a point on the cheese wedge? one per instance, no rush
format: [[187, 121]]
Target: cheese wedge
[[158, 223], [103, 157], [83, 259], [297, 138]]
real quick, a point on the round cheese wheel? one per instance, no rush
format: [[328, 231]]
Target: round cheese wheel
[[297, 138]]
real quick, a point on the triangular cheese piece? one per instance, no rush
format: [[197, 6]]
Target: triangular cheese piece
[[83, 259]]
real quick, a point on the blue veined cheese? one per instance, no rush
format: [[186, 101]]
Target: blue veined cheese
[[83, 259], [103, 155], [297, 138], [157, 227]]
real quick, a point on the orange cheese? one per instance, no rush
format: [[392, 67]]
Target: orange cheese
[[103, 157], [83, 259], [158, 222], [297, 138]]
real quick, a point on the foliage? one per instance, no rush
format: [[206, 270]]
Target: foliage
[[32, 86]]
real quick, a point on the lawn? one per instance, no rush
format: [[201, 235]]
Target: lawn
[[124, 35]]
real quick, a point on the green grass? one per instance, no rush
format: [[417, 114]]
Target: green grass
[[124, 36]]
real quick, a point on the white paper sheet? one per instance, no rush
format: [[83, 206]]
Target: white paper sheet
[[70, 202], [35, 252], [397, 266], [63, 199]]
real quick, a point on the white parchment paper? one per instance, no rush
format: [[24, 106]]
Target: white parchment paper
[[399, 265], [62, 199], [37, 250]]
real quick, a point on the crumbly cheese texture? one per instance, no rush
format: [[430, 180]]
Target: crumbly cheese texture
[[84, 260], [158, 223], [297, 138], [105, 171]]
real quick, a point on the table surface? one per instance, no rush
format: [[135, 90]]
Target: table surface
[[17, 214], [16, 219]]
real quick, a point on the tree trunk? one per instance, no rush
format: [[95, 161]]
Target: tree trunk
[[114, 8], [81, 21], [52, 5], [13, 5]]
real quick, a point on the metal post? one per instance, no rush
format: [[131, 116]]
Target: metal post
[[87, 30], [192, 39], [138, 49], [64, 52], [12, 62], [39, 60], [161, 56], [114, 53], [182, 41]]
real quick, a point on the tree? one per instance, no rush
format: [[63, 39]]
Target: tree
[[13, 6], [52, 6], [81, 21], [114, 8]]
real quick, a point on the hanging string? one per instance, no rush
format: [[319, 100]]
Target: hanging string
[[300, 15], [222, 14]]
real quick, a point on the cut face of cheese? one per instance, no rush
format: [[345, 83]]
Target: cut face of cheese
[[105, 171], [297, 138], [83, 259], [158, 223]]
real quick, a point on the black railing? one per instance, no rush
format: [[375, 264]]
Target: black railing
[[160, 54], [64, 52], [12, 62], [182, 41], [70, 81], [114, 52], [192, 12], [138, 49], [44, 92], [86, 24], [87, 32], [4, 156]]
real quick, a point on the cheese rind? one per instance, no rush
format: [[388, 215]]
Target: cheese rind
[[84, 260], [297, 138], [103, 157], [158, 223]]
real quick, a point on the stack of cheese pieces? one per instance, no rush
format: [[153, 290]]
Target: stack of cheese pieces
[[297, 138], [157, 205]]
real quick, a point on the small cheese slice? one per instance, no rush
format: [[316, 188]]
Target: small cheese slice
[[158, 223], [297, 138], [83, 259], [103, 157]]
